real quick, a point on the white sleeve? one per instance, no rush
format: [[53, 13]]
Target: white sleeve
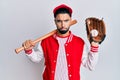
[[89, 58], [36, 55]]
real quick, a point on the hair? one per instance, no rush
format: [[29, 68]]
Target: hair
[[62, 11]]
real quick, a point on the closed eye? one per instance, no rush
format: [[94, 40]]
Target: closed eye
[[66, 20], [58, 20]]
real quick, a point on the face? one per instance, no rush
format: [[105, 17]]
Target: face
[[62, 22]]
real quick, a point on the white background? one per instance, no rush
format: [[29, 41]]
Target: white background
[[29, 19]]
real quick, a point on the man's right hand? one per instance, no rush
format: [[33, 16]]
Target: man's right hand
[[28, 45]]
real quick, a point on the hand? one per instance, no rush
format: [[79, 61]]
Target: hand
[[96, 29], [28, 45], [95, 44]]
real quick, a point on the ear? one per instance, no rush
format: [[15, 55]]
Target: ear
[[54, 20]]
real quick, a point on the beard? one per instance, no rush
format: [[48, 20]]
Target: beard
[[63, 31]]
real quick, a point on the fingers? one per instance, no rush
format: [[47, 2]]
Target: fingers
[[28, 44], [95, 44], [95, 29]]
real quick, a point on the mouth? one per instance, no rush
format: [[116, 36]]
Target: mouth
[[63, 28]]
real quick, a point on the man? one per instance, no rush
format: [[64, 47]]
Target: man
[[63, 52]]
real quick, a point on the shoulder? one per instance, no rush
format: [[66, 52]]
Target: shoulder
[[48, 39], [77, 38]]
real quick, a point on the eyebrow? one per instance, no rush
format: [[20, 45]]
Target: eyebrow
[[62, 20]]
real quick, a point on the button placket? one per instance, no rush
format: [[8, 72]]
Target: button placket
[[54, 61], [66, 44], [52, 72], [67, 54], [70, 75], [56, 50], [69, 65]]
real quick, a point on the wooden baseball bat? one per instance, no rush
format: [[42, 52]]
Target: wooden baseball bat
[[17, 50]]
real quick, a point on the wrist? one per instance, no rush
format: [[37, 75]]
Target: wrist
[[94, 47], [28, 51], [95, 44]]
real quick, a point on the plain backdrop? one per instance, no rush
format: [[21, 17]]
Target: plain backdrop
[[29, 19]]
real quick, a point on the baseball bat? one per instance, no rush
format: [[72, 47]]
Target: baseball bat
[[17, 50]]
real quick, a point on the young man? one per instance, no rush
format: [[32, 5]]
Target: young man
[[63, 52]]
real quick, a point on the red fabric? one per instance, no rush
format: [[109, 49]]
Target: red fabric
[[94, 48], [75, 50], [62, 6], [28, 51]]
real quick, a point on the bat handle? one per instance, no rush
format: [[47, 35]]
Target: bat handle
[[17, 50]]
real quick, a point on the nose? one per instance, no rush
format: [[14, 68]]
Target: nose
[[63, 23]]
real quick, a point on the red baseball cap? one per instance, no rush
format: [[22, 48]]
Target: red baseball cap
[[62, 6]]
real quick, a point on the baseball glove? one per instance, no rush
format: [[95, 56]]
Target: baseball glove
[[96, 30]]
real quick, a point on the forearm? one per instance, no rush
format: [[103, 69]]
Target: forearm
[[90, 59], [35, 56]]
